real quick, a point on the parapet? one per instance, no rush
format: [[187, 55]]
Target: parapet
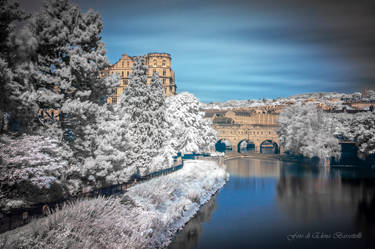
[[154, 54]]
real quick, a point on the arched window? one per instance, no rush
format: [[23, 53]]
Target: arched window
[[155, 63], [163, 63]]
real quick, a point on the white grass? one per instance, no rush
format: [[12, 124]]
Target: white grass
[[147, 216]]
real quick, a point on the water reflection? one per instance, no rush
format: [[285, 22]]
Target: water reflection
[[344, 200], [189, 236], [365, 216], [266, 200], [312, 194], [253, 168]]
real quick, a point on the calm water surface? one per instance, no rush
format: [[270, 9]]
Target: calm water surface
[[272, 204]]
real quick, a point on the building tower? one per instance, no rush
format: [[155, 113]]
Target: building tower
[[364, 93], [156, 62]]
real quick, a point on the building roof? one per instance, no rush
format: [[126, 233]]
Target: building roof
[[243, 113], [149, 54], [158, 53], [223, 120], [209, 114]]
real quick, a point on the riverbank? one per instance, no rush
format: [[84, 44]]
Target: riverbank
[[147, 216], [294, 159]]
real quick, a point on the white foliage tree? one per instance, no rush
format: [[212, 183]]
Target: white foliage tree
[[135, 107], [161, 157], [64, 70], [307, 131], [109, 164], [189, 131], [357, 127], [371, 95], [362, 131], [10, 15], [158, 107], [33, 169], [60, 56], [131, 135]]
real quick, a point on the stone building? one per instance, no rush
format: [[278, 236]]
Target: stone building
[[363, 105], [156, 62]]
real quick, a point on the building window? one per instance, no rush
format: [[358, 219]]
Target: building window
[[163, 63], [155, 63], [122, 64], [153, 71], [127, 73], [128, 63], [163, 81], [122, 73], [164, 72]]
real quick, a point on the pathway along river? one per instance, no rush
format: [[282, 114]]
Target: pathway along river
[[268, 203]]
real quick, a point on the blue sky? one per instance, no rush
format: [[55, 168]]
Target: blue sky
[[240, 49]]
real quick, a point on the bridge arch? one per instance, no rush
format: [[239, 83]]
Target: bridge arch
[[245, 144], [223, 145], [269, 147]]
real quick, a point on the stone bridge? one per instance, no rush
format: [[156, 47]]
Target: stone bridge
[[259, 136], [258, 129]]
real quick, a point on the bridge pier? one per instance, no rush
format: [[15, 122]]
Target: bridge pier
[[257, 147]]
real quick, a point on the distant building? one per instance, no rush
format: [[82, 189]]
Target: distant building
[[364, 93], [156, 62], [360, 105]]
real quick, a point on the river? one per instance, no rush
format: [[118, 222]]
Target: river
[[269, 203]]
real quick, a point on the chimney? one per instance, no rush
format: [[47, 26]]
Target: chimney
[[364, 94]]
